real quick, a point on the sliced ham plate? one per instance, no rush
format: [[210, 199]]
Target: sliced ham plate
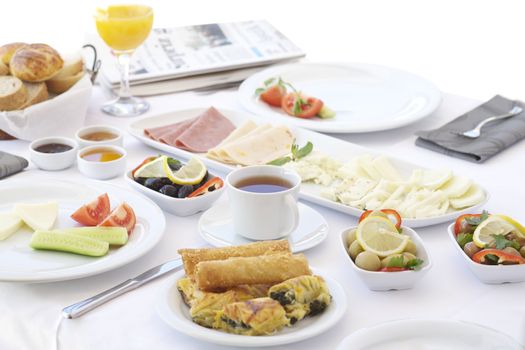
[[194, 135]]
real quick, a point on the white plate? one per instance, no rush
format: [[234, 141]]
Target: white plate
[[342, 150], [174, 312], [428, 334], [216, 228], [20, 263], [365, 97], [490, 274]]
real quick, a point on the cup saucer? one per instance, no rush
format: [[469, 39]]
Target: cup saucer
[[216, 228]]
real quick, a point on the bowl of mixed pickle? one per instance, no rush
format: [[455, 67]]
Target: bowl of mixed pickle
[[493, 245], [179, 188], [383, 253]]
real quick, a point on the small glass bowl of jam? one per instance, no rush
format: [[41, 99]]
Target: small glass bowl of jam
[[53, 153], [102, 162], [99, 135]]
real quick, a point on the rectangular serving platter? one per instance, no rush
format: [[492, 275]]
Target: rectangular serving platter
[[341, 150]]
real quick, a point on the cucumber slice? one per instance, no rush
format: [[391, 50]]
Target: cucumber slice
[[112, 235], [65, 242], [326, 113]]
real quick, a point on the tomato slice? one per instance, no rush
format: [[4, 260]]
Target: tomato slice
[[393, 269], [121, 216], [503, 257], [300, 105], [93, 213], [462, 226], [390, 213], [274, 95], [209, 186]]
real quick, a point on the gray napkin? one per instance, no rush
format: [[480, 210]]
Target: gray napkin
[[495, 136], [11, 164]]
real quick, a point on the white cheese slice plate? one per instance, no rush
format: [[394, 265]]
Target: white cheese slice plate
[[20, 263], [341, 150]]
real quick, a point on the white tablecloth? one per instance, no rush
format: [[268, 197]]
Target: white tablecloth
[[30, 313]]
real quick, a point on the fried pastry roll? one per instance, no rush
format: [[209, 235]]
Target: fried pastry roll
[[260, 316], [191, 257], [301, 296], [205, 305], [263, 269]]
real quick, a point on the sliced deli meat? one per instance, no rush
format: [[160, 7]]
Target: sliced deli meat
[[208, 131]]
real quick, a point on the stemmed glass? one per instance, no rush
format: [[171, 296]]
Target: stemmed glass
[[124, 28]]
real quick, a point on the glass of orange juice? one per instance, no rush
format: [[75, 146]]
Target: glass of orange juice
[[124, 28]]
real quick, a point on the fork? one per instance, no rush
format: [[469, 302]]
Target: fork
[[476, 132]]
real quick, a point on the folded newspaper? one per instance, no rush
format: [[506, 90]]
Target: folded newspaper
[[199, 56]]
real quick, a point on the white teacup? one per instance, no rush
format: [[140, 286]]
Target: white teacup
[[261, 210]]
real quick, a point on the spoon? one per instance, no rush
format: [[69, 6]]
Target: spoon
[[476, 132]]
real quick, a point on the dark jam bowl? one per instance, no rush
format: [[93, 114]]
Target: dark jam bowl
[[53, 153]]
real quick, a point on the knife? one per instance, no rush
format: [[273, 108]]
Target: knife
[[84, 306]]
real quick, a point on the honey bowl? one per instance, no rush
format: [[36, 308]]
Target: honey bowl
[[102, 162], [96, 135]]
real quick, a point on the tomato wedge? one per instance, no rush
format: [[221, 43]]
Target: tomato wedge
[[93, 213], [274, 95], [209, 186], [390, 213], [121, 216], [300, 105], [502, 257]]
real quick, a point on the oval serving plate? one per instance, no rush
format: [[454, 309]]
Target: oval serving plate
[[339, 149]]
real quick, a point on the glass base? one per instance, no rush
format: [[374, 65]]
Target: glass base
[[126, 107]]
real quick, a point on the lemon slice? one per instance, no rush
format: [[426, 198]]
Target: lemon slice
[[155, 168], [494, 225], [519, 227], [190, 174], [378, 235]]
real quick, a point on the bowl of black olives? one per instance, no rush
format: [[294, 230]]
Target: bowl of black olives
[[179, 188]]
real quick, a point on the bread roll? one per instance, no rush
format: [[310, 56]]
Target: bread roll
[[58, 86], [13, 93], [73, 64], [36, 92], [35, 63], [4, 70], [7, 51]]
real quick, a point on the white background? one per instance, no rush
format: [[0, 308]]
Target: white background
[[472, 48]]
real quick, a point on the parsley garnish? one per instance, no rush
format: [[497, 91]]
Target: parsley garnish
[[297, 153], [491, 259], [414, 264], [464, 238], [476, 220], [500, 242]]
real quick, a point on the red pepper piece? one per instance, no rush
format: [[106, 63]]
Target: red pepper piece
[[393, 269], [209, 186], [391, 213], [503, 257], [462, 226]]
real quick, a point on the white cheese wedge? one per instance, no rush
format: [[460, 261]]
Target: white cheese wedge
[[473, 196], [38, 216], [9, 224], [457, 186]]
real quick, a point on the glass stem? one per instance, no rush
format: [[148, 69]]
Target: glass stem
[[123, 59]]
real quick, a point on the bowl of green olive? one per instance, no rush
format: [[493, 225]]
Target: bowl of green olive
[[384, 254]]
